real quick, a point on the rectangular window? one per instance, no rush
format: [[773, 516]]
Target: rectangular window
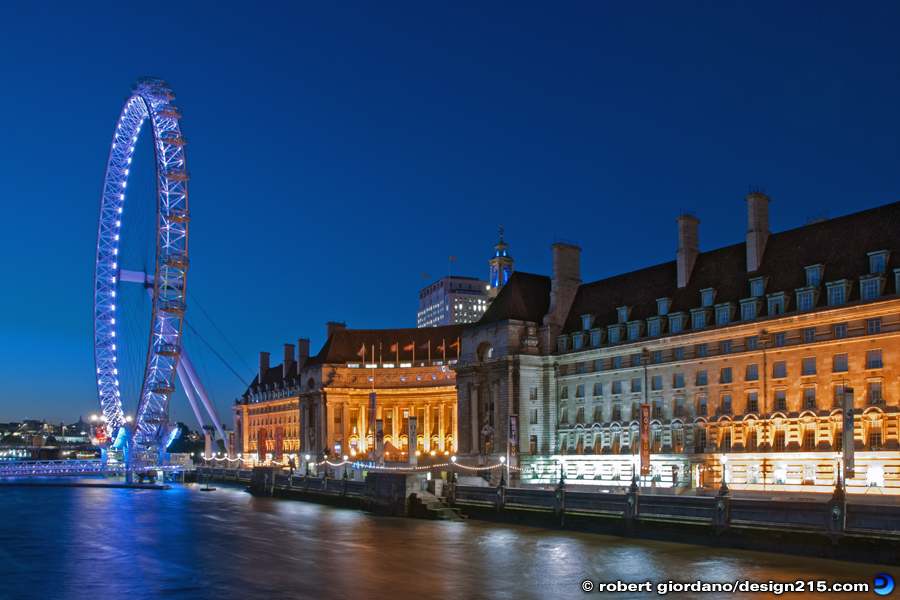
[[636, 360], [809, 397], [722, 315], [617, 412], [874, 392], [840, 363], [706, 298], [623, 315], [874, 439], [809, 335], [809, 366], [701, 377], [598, 388], [725, 375], [726, 404], [657, 409], [838, 395], [779, 369], [579, 415], [657, 382], [869, 289], [776, 306], [586, 322], [756, 288], [835, 295], [812, 276], [533, 444], [564, 392], [613, 336], [779, 339], [561, 345], [657, 357], [753, 372], [576, 341], [698, 319], [595, 338], [804, 300], [679, 407], [726, 347], [617, 386], [840, 331], [779, 444], [873, 359], [653, 328], [876, 263], [564, 416], [873, 326], [675, 324], [679, 353], [598, 365], [633, 331], [580, 368], [781, 400], [809, 440], [753, 343], [701, 407], [662, 306], [753, 402], [701, 350], [748, 311], [636, 384], [533, 416], [678, 382], [617, 362], [579, 391]]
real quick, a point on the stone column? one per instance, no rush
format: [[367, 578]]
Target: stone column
[[426, 447], [476, 430], [245, 429], [361, 426], [345, 426], [442, 427], [395, 426]]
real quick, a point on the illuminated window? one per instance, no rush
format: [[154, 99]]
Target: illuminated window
[[869, 288], [835, 295], [748, 311], [809, 397], [804, 300], [873, 389], [776, 306], [722, 315]]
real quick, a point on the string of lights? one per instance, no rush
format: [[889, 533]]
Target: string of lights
[[364, 466]]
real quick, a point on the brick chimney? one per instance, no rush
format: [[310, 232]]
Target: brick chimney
[[563, 286], [302, 353], [688, 246], [331, 327], [288, 360], [263, 366], [757, 228]]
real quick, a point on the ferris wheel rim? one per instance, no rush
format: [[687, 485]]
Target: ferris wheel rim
[[149, 100]]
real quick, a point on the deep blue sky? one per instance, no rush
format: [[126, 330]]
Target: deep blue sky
[[340, 150]]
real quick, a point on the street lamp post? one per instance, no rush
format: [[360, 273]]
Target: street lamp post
[[345, 466], [502, 478]]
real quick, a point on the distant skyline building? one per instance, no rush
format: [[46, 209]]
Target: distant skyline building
[[451, 301], [459, 300]]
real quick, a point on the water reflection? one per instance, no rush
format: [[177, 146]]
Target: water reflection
[[185, 544]]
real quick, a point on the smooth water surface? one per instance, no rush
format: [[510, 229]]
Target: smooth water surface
[[82, 543]]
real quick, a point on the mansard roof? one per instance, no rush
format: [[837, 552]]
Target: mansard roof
[[344, 344], [841, 244], [525, 297]]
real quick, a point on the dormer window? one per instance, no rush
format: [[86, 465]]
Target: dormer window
[[777, 303], [871, 286], [616, 333], [656, 325], [707, 297], [623, 312], [807, 298], [597, 337], [838, 291], [676, 322], [586, 322], [878, 261], [751, 308], [577, 341], [561, 343], [757, 286], [662, 306], [635, 329], [814, 275], [724, 312], [699, 317]]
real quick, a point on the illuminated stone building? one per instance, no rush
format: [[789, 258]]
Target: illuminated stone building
[[741, 352], [321, 403], [451, 301]]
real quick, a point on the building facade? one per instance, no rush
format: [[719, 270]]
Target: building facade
[[321, 405], [452, 301], [743, 353]]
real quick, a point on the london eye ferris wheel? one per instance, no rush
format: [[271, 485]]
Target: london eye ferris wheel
[[141, 274]]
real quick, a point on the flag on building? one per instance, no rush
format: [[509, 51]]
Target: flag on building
[[394, 347], [362, 352], [410, 347], [452, 258]]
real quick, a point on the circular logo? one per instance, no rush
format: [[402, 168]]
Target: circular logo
[[884, 584], [587, 585]]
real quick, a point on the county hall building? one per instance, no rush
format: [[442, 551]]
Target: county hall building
[[743, 354]]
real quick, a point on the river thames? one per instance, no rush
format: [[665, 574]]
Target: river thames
[[182, 543]]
